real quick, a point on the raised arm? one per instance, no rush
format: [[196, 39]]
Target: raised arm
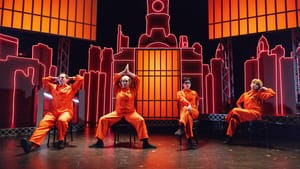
[[78, 80], [49, 82]]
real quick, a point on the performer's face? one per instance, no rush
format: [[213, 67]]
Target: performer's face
[[255, 86], [187, 84], [62, 79], [125, 81]]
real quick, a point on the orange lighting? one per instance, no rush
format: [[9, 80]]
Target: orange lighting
[[51, 16], [250, 16]]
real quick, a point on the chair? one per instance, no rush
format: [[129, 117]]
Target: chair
[[257, 131], [53, 133], [123, 126], [195, 129]]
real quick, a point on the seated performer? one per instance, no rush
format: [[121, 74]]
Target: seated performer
[[61, 109], [126, 86], [249, 107], [188, 101]]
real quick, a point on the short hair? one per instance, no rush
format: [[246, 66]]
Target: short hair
[[258, 81], [186, 79]]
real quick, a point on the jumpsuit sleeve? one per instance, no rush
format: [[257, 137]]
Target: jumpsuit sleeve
[[135, 84], [116, 82], [240, 101], [181, 98], [77, 84], [48, 82], [266, 93]]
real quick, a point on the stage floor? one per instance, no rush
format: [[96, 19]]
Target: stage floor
[[211, 153]]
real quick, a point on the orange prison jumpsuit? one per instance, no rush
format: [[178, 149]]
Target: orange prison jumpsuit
[[124, 108], [61, 110], [186, 97], [252, 108]]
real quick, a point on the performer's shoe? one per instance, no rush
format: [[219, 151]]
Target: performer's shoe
[[147, 145], [98, 144], [26, 145], [228, 140], [60, 144], [190, 145], [180, 131]]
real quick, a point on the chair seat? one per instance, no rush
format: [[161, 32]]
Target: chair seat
[[53, 133], [123, 127]]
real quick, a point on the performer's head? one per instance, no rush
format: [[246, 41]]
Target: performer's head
[[186, 82], [62, 79], [125, 81], [256, 84]]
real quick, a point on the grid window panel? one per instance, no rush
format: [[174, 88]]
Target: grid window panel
[[160, 75]]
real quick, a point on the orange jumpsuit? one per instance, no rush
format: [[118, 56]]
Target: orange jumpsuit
[[61, 109], [251, 109], [186, 97], [125, 98]]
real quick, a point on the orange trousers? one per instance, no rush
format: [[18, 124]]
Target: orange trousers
[[239, 115], [48, 121], [135, 119], [186, 118]]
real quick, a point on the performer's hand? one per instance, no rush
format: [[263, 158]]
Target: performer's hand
[[189, 108]]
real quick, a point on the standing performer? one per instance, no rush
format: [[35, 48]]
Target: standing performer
[[126, 86], [189, 102], [61, 109], [249, 107]]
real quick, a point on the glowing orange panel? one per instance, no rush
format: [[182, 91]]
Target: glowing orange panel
[[298, 19], [270, 7], [72, 12], [226, 12], [37, 7], [271, 23], [17, 20], [252, 25], [18, 5], [1, 5], [87, 32], [45, 24], [28, 6], [71, 29], [54, 28], [37, 23], [62, 27], [281, 22], [261, 21], [243, 27], [218, 30], [63, 12], [7, 19], [87, 11], [218, 17], [210, 12], [234, 28], [234, 9], [46, 9], [251, 8], [291, 5], [8, 4], [93, 33], [243, 9], [54, 8], [79, 12], [160, 76], [79, 29], [280, 6], [291, 20], [226, 29], [261, 8], [26, 22], [211, 32]]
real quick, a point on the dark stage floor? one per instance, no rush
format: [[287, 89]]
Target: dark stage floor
[[211, 153]]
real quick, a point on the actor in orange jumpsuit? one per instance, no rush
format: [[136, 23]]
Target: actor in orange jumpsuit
[[188, 100], [126, 85], [249, 107], [61, 109]]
